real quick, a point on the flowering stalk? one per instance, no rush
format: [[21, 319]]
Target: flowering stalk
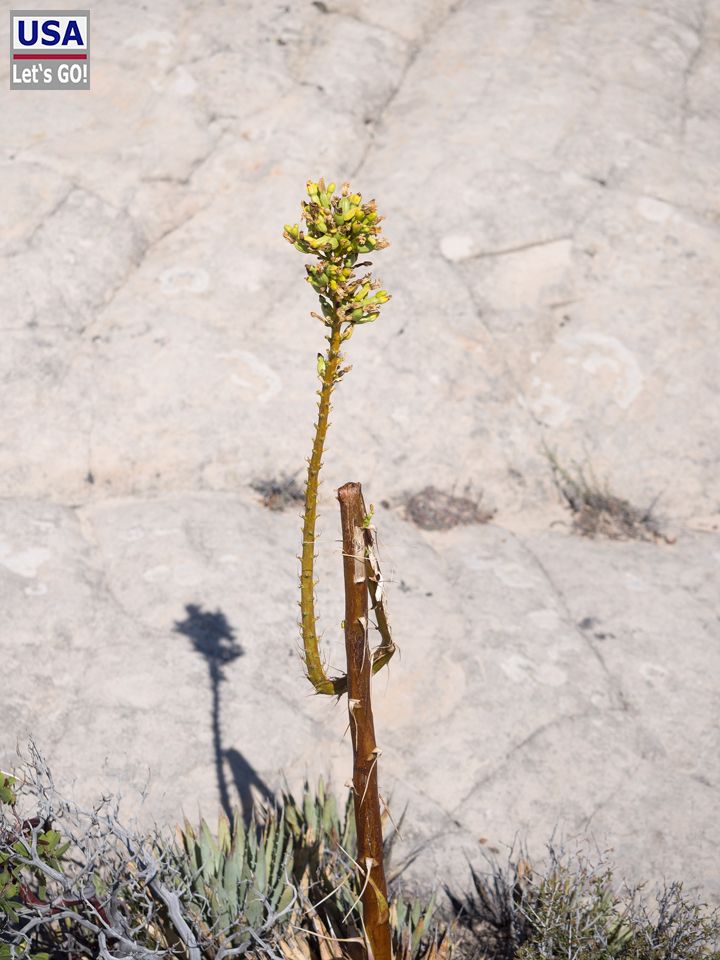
[[338, 230]]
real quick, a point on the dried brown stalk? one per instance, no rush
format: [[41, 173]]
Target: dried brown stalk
[[362, 728]]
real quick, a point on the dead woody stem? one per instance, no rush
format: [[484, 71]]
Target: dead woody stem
[[362, 728]]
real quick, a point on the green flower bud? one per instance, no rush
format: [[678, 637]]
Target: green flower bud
[[339, 230]]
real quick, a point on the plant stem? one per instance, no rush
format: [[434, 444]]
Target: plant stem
[[313, 664], [362, 728]]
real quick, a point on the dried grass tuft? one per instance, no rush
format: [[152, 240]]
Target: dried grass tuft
[[597, 512], [432, 509]]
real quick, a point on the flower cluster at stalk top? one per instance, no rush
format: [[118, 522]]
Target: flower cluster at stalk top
[[339, 229]]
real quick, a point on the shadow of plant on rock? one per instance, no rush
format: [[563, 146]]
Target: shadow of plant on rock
[[214, 639]]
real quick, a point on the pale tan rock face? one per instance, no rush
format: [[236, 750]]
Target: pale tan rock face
[[550, 179]]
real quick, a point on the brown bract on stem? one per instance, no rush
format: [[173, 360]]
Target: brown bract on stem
[[362, 728]]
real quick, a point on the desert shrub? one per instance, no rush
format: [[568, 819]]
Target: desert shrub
[[78, 883], [574, 910], [674, 927]]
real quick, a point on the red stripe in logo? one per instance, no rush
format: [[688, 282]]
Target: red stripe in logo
[[49, 56]]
